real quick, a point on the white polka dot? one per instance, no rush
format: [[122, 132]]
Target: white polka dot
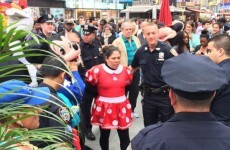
[[86, 74], [128, 71], [90, 78], [101, 120], [127, 120], [96, 70], [129, 106], [109, 111], [91, 118], [115, 122], [98, 109], [123, 110], [94, 106], [131, 115]]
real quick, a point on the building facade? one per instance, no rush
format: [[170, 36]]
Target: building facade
[[76, 8]]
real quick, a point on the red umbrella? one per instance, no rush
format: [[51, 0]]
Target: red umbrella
[[165, 14]]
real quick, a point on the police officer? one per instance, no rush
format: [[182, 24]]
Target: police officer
[[193, 81], [219, 52], [47, 28], [47, 24], [91, 56], [150, 59], [53, 77]]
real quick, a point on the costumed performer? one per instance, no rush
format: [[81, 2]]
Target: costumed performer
[[111, 108]]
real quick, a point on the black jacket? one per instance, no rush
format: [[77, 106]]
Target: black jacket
[[56, 110], [110, 39]]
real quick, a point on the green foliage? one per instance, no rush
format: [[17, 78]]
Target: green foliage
[[10, 137]]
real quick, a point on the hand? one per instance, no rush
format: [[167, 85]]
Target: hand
[[73, 66], [199, 53]]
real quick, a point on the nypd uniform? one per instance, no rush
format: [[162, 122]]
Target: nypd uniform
[[61, 112], [91, 56], [196, 76], [156, 100], [42, 46], [221, 102]]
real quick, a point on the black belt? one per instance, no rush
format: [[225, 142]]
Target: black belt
[[163, 90]]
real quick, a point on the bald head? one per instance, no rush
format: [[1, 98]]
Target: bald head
[[144, 24]]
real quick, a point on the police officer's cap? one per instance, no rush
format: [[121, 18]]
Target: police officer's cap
[[46, 18], [193, 77], [88, 29], [69, 21]]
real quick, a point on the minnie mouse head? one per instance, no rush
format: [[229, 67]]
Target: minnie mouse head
[[64, 48]]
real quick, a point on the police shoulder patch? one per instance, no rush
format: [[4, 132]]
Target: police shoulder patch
[[64, 114], [173, 52]]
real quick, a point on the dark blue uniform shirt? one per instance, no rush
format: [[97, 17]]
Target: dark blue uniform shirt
[[184, 131], [90, 54], [151, 63], [221, 103]]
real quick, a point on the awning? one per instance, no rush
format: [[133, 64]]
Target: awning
[[137, 9], [143, 9], [195, 10]]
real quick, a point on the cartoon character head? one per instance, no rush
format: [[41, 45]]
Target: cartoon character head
[[21, 19], [65, 49]]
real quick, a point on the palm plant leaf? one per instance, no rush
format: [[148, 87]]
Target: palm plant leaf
[[10, 137]]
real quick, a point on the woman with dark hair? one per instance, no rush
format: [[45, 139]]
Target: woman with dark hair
[[182, 42], [215, 29], [202, 48], [111, 108]]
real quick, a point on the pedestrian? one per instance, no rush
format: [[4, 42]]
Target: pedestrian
[[216, 28], [108, 37], [219, 52], [128, 44], [150, 58], [181, 42], [111, 108], [140, 33], [193, 37], [202, 48], [193, 81]]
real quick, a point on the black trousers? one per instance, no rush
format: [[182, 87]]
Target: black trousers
[[123, 136], [86, 110], [132, 90], [156, 108]]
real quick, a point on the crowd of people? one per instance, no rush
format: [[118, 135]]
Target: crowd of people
[[181, 71]]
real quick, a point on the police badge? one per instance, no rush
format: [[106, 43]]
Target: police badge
[[161, 56], [64, 114], [86, 27]]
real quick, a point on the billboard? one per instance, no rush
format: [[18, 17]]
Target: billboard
[[125, 1]]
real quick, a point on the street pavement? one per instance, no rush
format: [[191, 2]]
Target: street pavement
[[114, 143]]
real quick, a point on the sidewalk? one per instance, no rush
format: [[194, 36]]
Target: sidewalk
[[114, 143]]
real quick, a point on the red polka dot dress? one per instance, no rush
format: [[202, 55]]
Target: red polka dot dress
[[111, 108]]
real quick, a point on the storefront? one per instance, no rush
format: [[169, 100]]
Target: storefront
[[98, 9], [88, 13]]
